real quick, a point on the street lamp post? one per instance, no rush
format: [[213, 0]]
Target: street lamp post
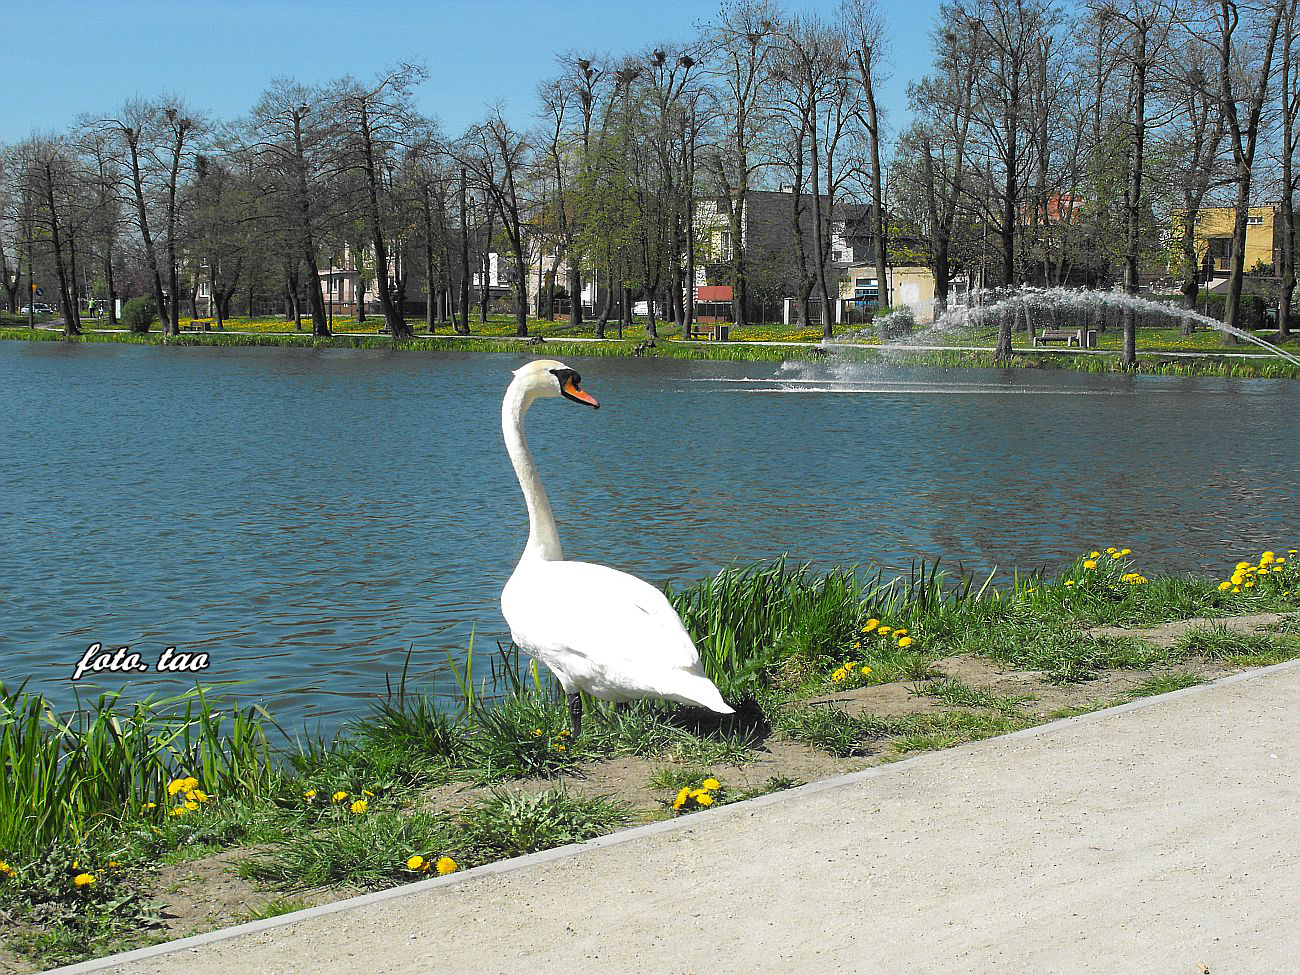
[[331, 293]]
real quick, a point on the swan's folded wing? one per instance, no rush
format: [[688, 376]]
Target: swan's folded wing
[[604, 614]]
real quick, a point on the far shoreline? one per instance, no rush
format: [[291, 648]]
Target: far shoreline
[[1221, 364]]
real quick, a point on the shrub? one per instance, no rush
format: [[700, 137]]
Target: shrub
[[513, 823], [139, 313]]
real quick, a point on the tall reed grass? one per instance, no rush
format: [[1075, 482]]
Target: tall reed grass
[[68, 775]]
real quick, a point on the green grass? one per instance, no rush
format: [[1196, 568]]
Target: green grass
[[510, 824], [68, 776], [1218, 642], [1164, 683], [368, 851], [670, 778], [835, 731], [958, 694], [277, 907]]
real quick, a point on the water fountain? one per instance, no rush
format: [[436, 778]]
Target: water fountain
[[1024, 302]]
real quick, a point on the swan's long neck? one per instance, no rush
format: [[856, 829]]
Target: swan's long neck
[[543, 542]]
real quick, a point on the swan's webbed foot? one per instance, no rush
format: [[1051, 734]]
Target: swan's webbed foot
[[575, 714]]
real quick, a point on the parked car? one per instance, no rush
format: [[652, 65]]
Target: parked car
[[40, 308]]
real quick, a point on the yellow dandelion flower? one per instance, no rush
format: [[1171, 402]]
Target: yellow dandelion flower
[[704, 799], [902, 631], [883, 630], [537, 732], [150, 805], [1281, 561], [191, 805], [906, 642], [7, 871], [1277, 568], [309, 794], [1225, 586], [196, 795], [189, 783], [1242, 565], [1094, 555], [1267, 558], [339, 796], [367, 792], [447, 865], [1126, 551], [83, 880], [712, 785], [865, 671], [1090, 563], [359, 807], [682, 796], [1236, 588], [175, 786], [1069, 582], [870, 625], [178, 811], [415, 862]]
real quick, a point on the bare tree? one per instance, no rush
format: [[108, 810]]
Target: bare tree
[[1289, 100], [932, 158], [1245, 69], [372, 121], [498, 156], [865, 31], [1192, 143]]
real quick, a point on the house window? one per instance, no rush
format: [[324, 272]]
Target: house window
[[724, 245], [1254, 221]]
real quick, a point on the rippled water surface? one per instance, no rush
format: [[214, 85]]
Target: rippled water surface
[[305, 517]]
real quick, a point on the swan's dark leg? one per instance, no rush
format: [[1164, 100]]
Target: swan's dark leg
[[575, 713]]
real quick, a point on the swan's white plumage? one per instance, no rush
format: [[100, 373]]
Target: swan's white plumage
[[599, 630]]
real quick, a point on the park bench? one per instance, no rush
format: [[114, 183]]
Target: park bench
[[707, 331], [1083, 338], [199, 325]]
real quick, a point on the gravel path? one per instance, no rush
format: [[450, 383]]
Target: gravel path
[[1156, 837]]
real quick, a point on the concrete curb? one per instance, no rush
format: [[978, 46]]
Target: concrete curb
[[195, 942]]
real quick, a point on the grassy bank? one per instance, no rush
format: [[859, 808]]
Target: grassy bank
[[1210, 364], [123, 823]]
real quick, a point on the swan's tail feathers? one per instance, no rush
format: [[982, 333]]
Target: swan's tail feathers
[[700, 691]]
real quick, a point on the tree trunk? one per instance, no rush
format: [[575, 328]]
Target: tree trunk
[[464, 257], [112, 291], [150, 251], [606, 299], [1134, 194], [575, 294]]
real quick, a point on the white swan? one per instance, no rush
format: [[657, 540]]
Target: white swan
[[599, 630]]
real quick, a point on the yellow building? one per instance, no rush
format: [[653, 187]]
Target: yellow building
[[910, 286], [1214, 227]]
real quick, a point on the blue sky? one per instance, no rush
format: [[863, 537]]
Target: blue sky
[[218, 55]]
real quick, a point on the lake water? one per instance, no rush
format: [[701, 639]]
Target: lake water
[[305, 517]]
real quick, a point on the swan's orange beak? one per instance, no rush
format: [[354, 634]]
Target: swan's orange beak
[[571, 391]]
